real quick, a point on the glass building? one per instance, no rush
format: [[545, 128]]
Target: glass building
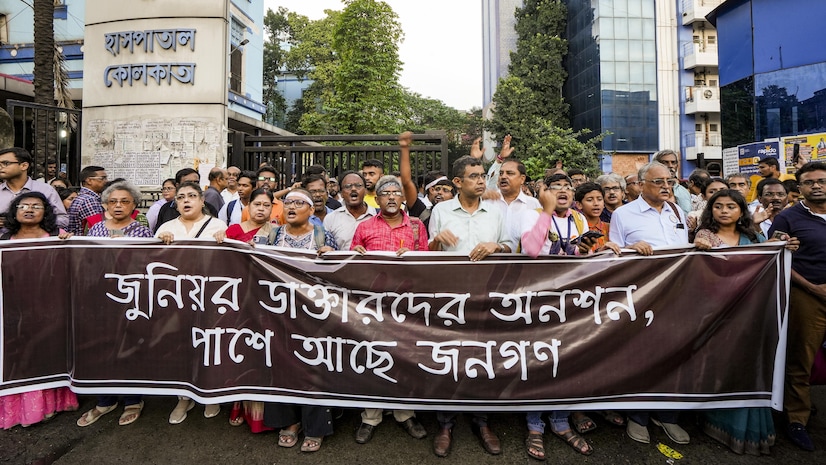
[[772, 69], [612, 72]]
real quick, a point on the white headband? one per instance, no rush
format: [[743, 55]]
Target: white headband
[[301, 196], [434, 182]]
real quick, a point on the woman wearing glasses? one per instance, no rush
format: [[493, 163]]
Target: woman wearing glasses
[[167, 194], [194, 222], [316, 421], [31, 216], [119, 200]]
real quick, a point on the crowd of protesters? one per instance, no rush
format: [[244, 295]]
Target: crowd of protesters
[[474, 212]]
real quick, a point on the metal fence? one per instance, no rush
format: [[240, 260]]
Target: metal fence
[[291, 155], [49, 133]]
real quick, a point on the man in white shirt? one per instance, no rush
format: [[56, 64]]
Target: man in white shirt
[[648, 222], [231, 191]]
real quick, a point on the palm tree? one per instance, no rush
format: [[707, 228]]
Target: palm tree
[[44, 50]]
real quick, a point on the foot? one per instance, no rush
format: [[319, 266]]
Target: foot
[[130, 414], [800, 437], [577, 442], [535, 445], [441, 443], [93, 415], [613, 417], [288, 437], [212, 410], [364, 433], [490, 442], [637, 432], [582, 422], [236, 416], [311, 444], [178, 414], [413, 428], [674, 431]]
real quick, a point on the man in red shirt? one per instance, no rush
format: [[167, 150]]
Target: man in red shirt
[[395, 231]]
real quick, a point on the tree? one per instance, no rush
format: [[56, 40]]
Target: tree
[[44, 56], [277, 26], [528, 103], [368, 98]]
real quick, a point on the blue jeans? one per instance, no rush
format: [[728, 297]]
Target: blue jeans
[[559, 421]]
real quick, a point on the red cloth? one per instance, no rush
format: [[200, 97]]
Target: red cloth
[[236, 232], [94, 219], [376, 234]]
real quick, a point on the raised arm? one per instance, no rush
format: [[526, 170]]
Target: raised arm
[[411, 193]]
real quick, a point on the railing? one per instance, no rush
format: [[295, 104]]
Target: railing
[[291, 155], [693, 93], [702, 139], [691, 48], [688, 6]]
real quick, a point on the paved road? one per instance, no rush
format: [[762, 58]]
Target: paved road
[[198, 440]]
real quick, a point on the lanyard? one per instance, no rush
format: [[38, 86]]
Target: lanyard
[[564, 242]]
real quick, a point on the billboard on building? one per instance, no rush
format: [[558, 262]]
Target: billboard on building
[[750, 154], [809, 146]]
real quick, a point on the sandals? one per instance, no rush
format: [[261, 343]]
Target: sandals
[[288, 438], [94, 415], [311, 444], [236, 415], [613, 417], [576, 441], [535, 445], [582, 422], [130, 414]]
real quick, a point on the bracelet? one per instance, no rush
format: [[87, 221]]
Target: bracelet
[[499, 158]]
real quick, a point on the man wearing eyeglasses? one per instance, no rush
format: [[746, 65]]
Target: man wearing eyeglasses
[[554, 231], [806, 221], [614, 186], [651, 221], [268, 179], [92, 181], [342, 222], [671, 160], [773, 199], [14, 168], [632, 187]]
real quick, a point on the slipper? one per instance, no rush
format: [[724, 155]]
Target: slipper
[[236, 417], [178, 414], [287, 438], [576, 441], [582, 423], [130, 414], [535, 445], [93, 415], [613, 417], [212, 410], [311, 444]]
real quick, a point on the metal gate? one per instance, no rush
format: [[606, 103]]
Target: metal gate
[[291, 155], [59, 136]]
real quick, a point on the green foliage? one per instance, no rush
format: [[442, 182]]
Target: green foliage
[[528, 103], [277, 27]]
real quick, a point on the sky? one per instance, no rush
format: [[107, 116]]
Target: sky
[[442, 47]]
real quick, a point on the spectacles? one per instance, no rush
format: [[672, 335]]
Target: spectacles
[[318, 192], [390, 194], [297, 203], [812, 182], [355, 185], [442, 188], [101, 178], [6, 164], [477, 176], [262, 178], [26, 206], [554, 187], [119, 202], [660, 181], [778, 195], [167, 189], [191, 195], [611, 189]]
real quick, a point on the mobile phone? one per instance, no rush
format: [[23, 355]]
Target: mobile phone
[[62, 168], [590, 234], [795, 153], [779, 235]]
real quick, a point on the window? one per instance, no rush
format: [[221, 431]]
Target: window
[[4, 30], [236, 60], [713, 127], [711, 39], [698, 127], [712, 82]]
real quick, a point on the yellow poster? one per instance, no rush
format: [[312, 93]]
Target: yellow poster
[[810, 147]]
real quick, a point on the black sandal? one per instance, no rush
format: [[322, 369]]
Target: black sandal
[[535, 445]]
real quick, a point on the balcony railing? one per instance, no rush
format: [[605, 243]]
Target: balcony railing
[[697, 10], [702, 139]]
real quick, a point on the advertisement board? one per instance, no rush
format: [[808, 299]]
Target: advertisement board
[[750, 154], [809, 146]]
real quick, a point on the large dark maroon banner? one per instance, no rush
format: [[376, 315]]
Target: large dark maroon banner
[[430, 330]]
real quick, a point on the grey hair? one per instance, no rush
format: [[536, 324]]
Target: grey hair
[[386, 181], [122, 186], [645, 168], [611, 177], [739, 175], [659, 155]]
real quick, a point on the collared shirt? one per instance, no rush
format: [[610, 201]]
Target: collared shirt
[[7, 196], [316, 221], [342, 225], [511, 211], [376, 234], [85, 205], [229, 196], [638, 221], [810, 228], [234, 216], [683, 198], [485, 224], [543, 234]]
